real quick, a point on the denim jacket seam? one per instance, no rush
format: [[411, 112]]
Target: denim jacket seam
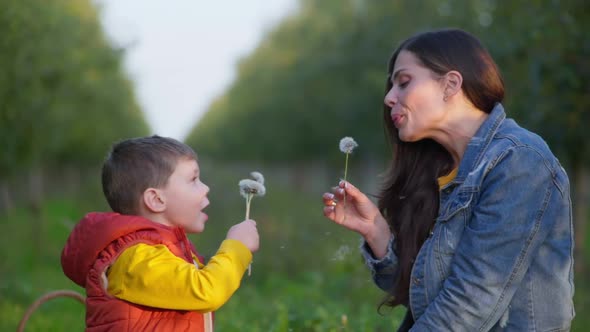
[[464, 204], [532, 307], [518, 144], [437, 248], [490, 136], [562, 191], [521, 257]]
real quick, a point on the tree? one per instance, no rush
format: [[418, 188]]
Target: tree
[[320, 75], [63, 95]]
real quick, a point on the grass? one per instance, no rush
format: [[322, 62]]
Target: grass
[[307, 276], [312, 291]]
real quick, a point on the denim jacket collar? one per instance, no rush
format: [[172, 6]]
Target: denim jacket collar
[[478, 143]]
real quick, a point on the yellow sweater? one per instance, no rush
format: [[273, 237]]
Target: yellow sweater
[[153, 276], [444, 180]]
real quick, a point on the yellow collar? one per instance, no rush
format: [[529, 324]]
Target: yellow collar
[[446, 179]]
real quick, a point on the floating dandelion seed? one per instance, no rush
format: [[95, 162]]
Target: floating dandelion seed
[[342, 253], [347, 144], [250, 188]]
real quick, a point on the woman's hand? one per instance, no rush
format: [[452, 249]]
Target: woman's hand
[[358, 214]]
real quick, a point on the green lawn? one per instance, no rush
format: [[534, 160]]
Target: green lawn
[[307, 276]]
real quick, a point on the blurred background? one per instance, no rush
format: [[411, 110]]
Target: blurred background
[[266, 86]]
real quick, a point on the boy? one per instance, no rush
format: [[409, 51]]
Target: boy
[[140, 271]]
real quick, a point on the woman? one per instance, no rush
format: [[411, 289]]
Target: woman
[[473, 228]]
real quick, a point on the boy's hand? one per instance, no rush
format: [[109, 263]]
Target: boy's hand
[[245, 232]]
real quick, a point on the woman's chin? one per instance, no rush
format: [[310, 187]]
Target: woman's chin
[[405, 137]]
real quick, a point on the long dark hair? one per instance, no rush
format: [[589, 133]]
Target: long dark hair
[[410, 195]]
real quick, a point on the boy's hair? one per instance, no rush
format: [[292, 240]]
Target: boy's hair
[[135, 164]]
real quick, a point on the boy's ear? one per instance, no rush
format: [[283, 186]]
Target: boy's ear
[[453, 81], [154, 200]]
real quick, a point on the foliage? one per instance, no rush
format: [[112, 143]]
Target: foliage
[[315, 78], [543, 51], [306, 276], [319, 75], [63, 94], [304, 259]]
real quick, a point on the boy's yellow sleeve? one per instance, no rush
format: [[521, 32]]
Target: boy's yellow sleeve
[[151, 275]]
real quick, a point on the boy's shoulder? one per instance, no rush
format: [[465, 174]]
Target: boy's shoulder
[[97, 231]]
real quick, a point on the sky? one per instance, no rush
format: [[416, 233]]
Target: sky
[[182, 54]]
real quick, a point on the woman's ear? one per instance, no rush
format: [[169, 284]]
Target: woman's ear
[[453, 81], [154, 200]]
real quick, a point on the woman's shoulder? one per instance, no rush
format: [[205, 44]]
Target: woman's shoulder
[[512, 140], [510, 149]]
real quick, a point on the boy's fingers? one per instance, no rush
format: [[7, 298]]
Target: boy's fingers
[[251, 221]]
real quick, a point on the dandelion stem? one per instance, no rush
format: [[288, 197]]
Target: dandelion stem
[[345, 171], [346, 167], [248, 200]]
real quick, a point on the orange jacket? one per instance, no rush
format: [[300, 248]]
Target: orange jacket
[[92, 247]]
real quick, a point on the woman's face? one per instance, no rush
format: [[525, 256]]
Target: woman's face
[[415, 99]]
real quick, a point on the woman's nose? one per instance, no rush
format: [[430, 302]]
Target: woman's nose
[[390, 98]]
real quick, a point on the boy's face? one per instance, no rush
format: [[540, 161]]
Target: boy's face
[[186, 197]]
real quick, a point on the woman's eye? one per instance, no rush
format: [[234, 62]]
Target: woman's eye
[[404, 84]]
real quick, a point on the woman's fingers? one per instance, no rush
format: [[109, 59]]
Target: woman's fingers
[[351, 190], [329, 199], [332, 209], [329, 211], [338, 193]]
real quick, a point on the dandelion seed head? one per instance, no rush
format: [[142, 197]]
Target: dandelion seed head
[[258, 177], [347, 144], [251, 187]]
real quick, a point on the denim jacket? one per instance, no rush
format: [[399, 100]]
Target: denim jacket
[[500, 256]]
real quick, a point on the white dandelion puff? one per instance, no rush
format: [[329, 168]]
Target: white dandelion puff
[[258, 177], [250, 188], [347, 144]]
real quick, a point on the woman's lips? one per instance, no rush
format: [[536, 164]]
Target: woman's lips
[[397, 119]]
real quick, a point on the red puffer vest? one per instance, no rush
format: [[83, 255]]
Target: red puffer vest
[[94, 244]]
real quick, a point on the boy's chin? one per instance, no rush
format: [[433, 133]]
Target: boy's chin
[[197, 227]]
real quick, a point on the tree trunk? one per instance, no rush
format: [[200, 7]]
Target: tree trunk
[[35, 201], [299, 177], [6, 202], [581, 197]]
